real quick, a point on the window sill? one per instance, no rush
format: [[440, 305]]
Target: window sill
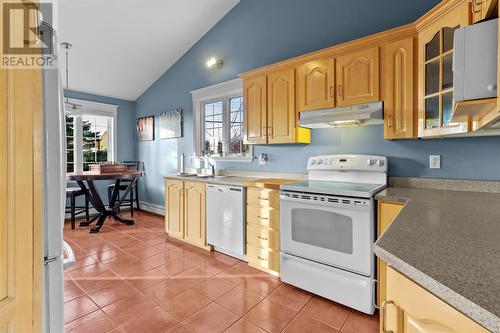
[[230, 159]]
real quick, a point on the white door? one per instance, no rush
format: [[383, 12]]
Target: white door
[[336, 231]]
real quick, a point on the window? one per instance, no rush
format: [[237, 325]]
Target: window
[[223, 128], [90, 132], [218, 127]]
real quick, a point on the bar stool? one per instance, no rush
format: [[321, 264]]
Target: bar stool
[[72, 193]]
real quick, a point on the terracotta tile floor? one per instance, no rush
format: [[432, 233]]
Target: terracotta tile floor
[[137, 279]]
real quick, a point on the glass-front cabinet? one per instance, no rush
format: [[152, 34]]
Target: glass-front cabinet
[[436, 75]]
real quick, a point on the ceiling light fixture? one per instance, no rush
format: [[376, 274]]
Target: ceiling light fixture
[[214, 63]]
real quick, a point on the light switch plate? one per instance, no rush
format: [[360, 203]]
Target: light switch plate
[[435, 161]]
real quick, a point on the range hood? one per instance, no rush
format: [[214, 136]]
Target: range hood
[[355, 115]]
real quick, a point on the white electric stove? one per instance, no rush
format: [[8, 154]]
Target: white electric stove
[[328, 228]]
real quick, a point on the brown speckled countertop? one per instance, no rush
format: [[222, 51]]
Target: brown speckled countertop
[[449, 243]]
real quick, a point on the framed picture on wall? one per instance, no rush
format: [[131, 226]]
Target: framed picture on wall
[[145, 127], [171, 124]]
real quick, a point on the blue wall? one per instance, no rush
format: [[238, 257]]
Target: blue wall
[[259, 32], [126, 145]]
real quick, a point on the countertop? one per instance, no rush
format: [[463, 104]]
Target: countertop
[[270, 183], [449, 243], [224, 180]]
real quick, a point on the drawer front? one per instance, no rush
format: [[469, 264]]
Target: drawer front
[[263, 197], [264, 258], [263, 237], [263, 216]]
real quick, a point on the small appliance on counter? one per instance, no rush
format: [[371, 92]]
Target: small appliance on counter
[[328, 228]]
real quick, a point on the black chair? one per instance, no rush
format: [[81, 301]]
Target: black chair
[[134, 193], [72, 193]]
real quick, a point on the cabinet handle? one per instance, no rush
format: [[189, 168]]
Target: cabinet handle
[[263, 218], [331, 91], [339, 90], [383, 316], [389, 121], [261, 198], [263, 238], [259, 257]]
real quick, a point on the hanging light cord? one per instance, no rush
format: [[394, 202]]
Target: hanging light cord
[[67, 46]]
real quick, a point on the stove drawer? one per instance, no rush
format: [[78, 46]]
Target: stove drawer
[[263, 216], [263, 197], [267, 259], [263, 237]]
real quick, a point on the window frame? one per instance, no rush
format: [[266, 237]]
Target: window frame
[[92, 109], [224, 92]]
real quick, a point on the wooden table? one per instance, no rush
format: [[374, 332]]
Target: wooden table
[[95, 199]]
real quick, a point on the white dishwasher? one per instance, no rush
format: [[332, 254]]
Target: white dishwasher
[[226, 219]]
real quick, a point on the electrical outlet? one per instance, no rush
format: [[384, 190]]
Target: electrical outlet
[[263, 159], [435, 161]]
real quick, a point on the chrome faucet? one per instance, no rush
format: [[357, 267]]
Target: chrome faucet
[[212, 168]]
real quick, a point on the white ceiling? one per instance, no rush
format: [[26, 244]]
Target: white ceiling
[[121, 47]]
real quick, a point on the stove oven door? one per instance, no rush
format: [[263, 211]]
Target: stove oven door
[[337, 231]]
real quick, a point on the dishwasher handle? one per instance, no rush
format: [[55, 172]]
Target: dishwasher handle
[[223, 188]]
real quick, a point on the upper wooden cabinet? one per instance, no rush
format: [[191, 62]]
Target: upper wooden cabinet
[[411, 309], [435, 91], [269, 110], [255, 110], [315, 85], [281, 115], [357, 77], [398, 90]]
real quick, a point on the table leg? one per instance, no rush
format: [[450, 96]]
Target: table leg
[[114, 204]]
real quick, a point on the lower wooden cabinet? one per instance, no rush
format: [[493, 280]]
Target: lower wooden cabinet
[[387, 211], [185, 211], [263, 225], [409, 308]]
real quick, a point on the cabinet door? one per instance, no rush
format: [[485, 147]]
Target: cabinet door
[[357, 77], [398, 89], [194, 209], [255, 110], [412, 309], [435, 66], [21, 200], [315, 85], [281, 115], [174, 202], [387, 211]]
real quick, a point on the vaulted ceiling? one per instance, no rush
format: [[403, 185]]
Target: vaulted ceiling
[[121, 47]]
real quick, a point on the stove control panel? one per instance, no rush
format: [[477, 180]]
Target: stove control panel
[[348, 163]]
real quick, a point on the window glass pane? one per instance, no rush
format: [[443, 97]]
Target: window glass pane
[[213, 124], [69, 143], [95, 141], [432, 48], [236, 146], [432, 77], [432, 112], [448, 34], [447, 107], [447, 71]]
